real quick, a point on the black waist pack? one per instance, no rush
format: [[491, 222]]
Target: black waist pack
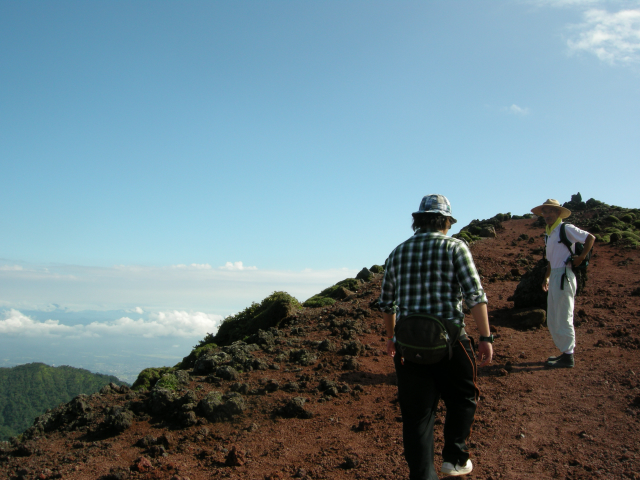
[[425, 339]]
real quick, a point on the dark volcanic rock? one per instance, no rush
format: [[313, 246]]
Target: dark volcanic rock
[[162, 400], [293, 408], [529, 293], [217, 407], [364, 274], [118, 420]]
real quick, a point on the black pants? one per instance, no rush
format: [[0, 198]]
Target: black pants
[[419, 390]]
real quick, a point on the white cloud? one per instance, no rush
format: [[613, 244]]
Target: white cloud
[[196, 266], [613, 37], [516, 110], [236, 266], [74, 288], [15, 323], [201, 266], [160, 324], [8, 268], [565, 3]]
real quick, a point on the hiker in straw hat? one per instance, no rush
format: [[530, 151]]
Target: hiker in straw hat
[[560, 281]]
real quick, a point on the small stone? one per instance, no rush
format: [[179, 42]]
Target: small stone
[[235, 458]]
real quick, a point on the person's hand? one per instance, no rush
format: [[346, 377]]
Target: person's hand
[[485, 353], [576, 261], [391, 347], [545, 285]]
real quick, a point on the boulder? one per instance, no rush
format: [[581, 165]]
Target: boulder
[[227, 373], [364, 274], [302, 357], [208, 363], [529, 293], [216, 408], [487, 232], [293, 408], [118, 420], [353, 348], [161, 400]]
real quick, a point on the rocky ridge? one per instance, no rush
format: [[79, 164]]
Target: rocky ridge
[[315, 397]]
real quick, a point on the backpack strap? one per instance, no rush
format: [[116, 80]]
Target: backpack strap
[[563, 237], [564, 240]]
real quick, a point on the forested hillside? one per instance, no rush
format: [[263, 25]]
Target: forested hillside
[[27, 391]]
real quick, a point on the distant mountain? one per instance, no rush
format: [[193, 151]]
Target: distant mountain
[[27, 391]]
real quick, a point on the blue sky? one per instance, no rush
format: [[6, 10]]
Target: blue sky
[[193, 157]]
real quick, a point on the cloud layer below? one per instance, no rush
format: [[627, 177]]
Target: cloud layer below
[[178, 300], [160, 324]]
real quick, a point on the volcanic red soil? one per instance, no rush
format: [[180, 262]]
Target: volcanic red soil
[[531, 423]]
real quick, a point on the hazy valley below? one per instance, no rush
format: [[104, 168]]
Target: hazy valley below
[[124, 358]]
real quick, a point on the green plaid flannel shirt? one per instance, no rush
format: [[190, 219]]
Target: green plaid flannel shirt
[[431, 273]]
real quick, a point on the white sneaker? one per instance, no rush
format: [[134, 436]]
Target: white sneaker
[[449, 469]]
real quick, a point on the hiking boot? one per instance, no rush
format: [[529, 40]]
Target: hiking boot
[[449, 469], [563, 361], [554, 359]]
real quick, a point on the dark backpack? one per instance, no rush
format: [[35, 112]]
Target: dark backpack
[[425, 339], [579, 248]]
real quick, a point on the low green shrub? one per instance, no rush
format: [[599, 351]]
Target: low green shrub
[[631, 236], [466, 236], [503, 217], [168, 381], [318, 301], [328, 295]]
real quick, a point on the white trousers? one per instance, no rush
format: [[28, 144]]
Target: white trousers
[[560, 309]]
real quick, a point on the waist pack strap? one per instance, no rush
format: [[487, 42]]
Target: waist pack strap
[[426, 339]]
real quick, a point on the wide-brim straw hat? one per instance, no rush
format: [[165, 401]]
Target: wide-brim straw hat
[[564, 212]]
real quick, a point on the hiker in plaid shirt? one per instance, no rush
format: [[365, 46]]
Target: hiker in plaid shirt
[[432, 273]]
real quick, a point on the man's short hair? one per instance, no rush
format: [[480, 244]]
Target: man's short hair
[[429, 221]]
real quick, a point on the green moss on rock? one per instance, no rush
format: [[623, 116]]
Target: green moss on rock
[[204, 347], [168, 381], [318, 301], [149, 377], [336, 292], [268, 313], [466, 236]]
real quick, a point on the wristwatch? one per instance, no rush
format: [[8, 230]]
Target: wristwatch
[[486, 339]]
